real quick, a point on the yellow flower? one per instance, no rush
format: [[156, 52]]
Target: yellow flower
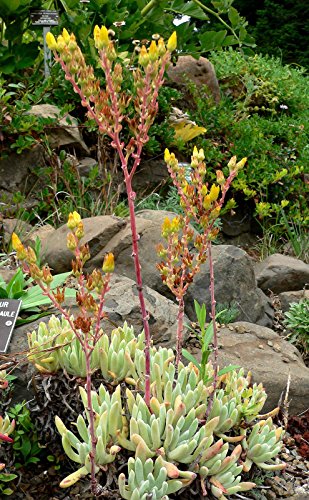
[[51, 41], [16, 243], [167, 155], [166, 227], [161, 47], [172, 42], [109, 263], [101, 37], [74, 220], [284, 203], [143, 58], [153, 51], [66, 36], [214, 192]]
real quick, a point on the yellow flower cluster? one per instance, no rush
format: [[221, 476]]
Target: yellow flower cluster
[[64, 40], [156, 50]]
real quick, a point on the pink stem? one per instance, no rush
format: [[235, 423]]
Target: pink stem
[[131, 197], [94, 482], [215, 335], [180, 317]]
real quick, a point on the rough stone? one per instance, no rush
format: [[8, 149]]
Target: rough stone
[[149, 175], [18, 172], [85, 165], [234, 282], [42, 232], [98, 232], [199, 71], [65, 132], [20, 227], [234, 273], [148, 223], [266, 365], [122, 304], [287, 298], [281, 273]]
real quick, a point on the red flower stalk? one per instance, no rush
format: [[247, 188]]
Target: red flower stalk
[[202, 204], [107, 107]]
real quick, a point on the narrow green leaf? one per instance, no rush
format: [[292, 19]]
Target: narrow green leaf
[[191, 358]]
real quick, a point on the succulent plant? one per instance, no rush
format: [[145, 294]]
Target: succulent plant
[[117, 355], [229, 415], [148, 479], [251, 398], [42, 344], [168, 429], [263, 445], [109, 424], [7, 426], [226, 479]]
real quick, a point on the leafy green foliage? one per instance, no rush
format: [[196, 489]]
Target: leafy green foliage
[[297, 320], [263, 114], [19, 287], [279, 27], [26, 446], [228, 313], [204, 333]]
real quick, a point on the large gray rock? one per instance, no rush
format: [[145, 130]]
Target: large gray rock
[[234, 275], [149, 224], [17, 171], [65, 132], [234, 282], [270, 358], [199, 71], [281, 273], [122, 304], [288, 298], [98, 232]]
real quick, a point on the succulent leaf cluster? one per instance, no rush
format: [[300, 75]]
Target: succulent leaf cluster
[[109, 424], [54, 347], [145, 478], [7, 426], [263, 445]]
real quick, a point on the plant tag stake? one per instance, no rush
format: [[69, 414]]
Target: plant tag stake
[[9, 309], [46, 19]]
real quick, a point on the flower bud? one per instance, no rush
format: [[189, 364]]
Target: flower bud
[[66, 36], [143, 58], [71, 242], [109, 263], [153, 51], [51, 41], [73, 220], [220, 177], [80, 232], [161, 47], [172, 42]]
